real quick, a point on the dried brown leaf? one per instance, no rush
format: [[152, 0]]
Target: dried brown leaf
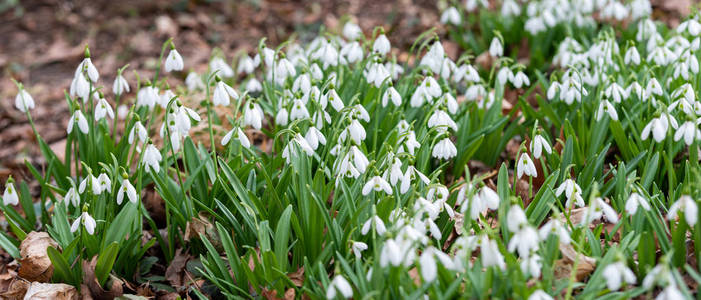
[[35, 264], [96, 290], [51, 291], [563, 266], [16, 290], [175, 273]]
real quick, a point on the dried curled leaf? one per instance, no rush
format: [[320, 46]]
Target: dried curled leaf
[[96, 290], [563, 266], [16, 290], [176, 272], [35, 264], [51, 291]]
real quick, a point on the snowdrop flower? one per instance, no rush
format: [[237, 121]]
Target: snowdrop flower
[[510, 8], [352, 31], [606, 107], [253, 86], [442, 121], [531, 264], [339, 285], [301, 142], [9, 197], [688, 131], [615, 92], [24, 101], [516, 218], [298, 111], [381, 45], [392, 95], [193, 81], [524, 241], [87, 221], [572, 192], [635, 200], [451, 16], [496, 49], [540, 295], [428, 263], [245, 65], [352, 52], [219, 66], [357, 248], [139, 131], [598, 208], [485, 199], [253, 115], [552, 90], [222, 93], [686, 205], [525, 166], [444, 149], [103, 182], [490, 253], [152, 158], [335, 100], [658, 127], [410, 175], [503, 75], [538, 144], [174, 62], [356, 131], [238, 134], [671, 292], [79, 119], [314, 137], [87, 66], [375, 220], [126, 189], [632, 57], [80, 87], [390, 254], [376, 74], [327, 54], [519, 79], [103, 109], [71, 197], [556, 227], [147, 96], [617, 273]]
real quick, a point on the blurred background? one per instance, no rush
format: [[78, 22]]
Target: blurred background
[[42, 41]]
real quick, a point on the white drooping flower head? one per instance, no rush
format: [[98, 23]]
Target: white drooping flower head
[[87, 221], [381, 45], [616, 274], [525, 166], [24, 101], [339, 285], [687, 206], [10, 197], [127, 189], [78, 119], [451, 16], [174, 62]]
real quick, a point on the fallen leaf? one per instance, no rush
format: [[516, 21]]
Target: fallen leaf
[[35, 264], [51, 291], [175, 273], [96, 290], [297, 277], [16, 290], [563, 266]]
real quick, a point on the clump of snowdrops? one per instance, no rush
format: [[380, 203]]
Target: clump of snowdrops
[[365, 189]]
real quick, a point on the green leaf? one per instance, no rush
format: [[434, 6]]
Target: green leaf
[[105, 261]]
